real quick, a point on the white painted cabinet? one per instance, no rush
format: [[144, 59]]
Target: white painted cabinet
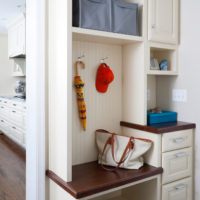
[[16, 37], [176, 165], [163, 21], [12, 120], [173, 151], [179, 190]]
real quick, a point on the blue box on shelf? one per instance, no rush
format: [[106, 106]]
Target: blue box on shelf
[[165, 116]]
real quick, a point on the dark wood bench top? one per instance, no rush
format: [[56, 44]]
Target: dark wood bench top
[[90, 178], [160, 128]]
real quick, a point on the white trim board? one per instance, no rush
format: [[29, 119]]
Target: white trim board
[[36, 61]]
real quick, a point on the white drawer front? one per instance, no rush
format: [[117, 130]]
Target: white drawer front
[[18, 106], [17, 133], [4, 126], [4, 111], [17, 118], [179, 190], [177, 140], [176, 165]]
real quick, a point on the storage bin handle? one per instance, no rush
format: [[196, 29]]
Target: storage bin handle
[[125, 5], [180, 187], [98, 1]]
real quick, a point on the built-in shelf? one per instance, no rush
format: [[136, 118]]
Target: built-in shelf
[[159, 72], [89, 35], [87, 178]]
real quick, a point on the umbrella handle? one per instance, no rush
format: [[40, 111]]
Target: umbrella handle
[[77, 65]]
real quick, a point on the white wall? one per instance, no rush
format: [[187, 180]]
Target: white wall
[[7, 82], [189, 77]]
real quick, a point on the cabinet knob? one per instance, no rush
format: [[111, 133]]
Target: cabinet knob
[[14, 111], [153, 26]]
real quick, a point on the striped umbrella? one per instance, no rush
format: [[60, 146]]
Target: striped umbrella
[[79, 85]]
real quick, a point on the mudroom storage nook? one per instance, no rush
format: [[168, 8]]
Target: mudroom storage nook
[[122, 109]]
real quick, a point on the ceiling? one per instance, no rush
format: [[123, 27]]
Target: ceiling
[[9, 9]]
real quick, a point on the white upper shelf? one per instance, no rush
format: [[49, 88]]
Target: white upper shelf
[[89, 35], [159, 72]]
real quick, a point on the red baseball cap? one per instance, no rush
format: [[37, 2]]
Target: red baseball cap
[[104, 77]]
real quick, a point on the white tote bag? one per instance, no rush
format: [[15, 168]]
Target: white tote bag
[[120, 150]]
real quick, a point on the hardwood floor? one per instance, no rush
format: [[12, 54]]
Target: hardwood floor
[[12, 170]]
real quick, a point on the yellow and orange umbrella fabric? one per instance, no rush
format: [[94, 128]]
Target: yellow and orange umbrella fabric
[[79, 85]]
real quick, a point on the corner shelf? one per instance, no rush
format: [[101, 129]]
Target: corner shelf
[[89, 35]]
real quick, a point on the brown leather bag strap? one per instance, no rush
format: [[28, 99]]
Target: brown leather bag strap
[[130, 144], [123, 158]]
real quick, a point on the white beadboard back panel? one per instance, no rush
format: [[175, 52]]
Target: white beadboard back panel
[[103, 110]]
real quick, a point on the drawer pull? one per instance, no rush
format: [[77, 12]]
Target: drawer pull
[[179, 140], [2, 107], [14, 127], [14, 111], [178, 155], [5, 101], [180, 187], [14, 104], [2, 120]]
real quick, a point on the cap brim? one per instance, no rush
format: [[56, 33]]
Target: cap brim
[[101, 87]]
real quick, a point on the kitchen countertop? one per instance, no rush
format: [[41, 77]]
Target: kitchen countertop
[[13, 98]]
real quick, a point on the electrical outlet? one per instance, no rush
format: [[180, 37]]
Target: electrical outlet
[[148, 95], [179, 95]]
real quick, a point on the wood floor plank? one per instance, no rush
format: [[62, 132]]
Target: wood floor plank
[[12, 170]]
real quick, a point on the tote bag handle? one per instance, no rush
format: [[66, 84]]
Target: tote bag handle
[[110, 141]]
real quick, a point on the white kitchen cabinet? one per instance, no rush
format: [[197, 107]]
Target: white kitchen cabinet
[[16, 37], [163, 21], [13, 119]]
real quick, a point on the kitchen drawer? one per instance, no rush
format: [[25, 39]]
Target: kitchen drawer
[[177, 164], [5, 102], [17, 117], [18, 106], [4, 126], [4, 111], [177, 140], [17, 133], [179, 190]]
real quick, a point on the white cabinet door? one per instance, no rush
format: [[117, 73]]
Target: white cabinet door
[[177, 165], [163, 20], [179, 190], [16, 37]]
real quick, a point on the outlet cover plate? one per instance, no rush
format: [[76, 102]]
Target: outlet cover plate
[[179, 95]]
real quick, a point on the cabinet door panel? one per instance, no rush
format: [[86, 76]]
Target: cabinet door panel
[[163, 20], [177, 165], [179, 190]]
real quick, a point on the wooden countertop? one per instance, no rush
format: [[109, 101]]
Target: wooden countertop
[[90, 178], [160, 128]]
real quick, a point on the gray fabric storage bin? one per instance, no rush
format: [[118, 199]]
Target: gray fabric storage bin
[[124, 17], [92, 14]]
